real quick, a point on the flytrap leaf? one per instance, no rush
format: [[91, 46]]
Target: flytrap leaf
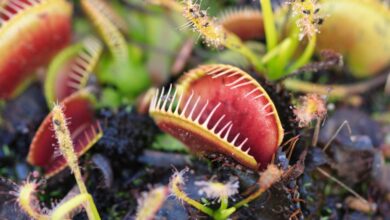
[[31, 33], [246, 23], [69, 71], [220, 108], [101, 15], [360, 31], [85, 132]]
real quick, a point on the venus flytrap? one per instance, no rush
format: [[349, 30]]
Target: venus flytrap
[[121, 69], [204, 119], [70, 70], [27, 24]]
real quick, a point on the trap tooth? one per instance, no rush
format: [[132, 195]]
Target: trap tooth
[[31, 32]]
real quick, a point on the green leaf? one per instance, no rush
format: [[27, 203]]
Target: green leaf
[[166, 142]]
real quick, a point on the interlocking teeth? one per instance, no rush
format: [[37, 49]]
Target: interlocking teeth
[[172, 101], [161, 101], [113, 37], [178, 104], [17, 6], [85, 62], [108, 13], [76, 76], [161, 96], [82, 62], [166, 97], [202, 111], [78, 69]]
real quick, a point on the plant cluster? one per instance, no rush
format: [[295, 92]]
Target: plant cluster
[[109, 90]]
